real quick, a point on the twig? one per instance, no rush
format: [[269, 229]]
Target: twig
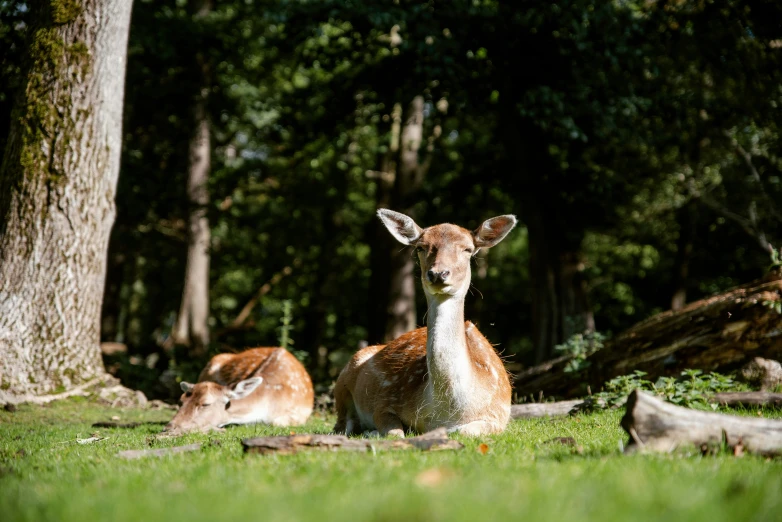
[[262, 291]]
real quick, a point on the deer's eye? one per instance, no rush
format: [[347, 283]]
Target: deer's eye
[[206, 404], [468, 250]]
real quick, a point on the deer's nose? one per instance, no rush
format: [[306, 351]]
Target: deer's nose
[[437, 277]]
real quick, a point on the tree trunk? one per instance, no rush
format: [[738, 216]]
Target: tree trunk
[[57, 184], [192, 324], [560, 307], [720, 333], [558, 289], [393, 281], [684, 246]]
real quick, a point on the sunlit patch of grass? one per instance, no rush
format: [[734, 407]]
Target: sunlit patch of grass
[[544, 469]]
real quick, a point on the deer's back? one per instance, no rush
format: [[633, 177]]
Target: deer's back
[[284, 377]]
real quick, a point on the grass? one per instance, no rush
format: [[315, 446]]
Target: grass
[[45, 475]]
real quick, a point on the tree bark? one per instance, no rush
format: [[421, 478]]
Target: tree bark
[[558, 289], [192, 324], [57, 184], [560, 306], [745, 399], [543, 409], [393, 284], [655, 425], [720, 333], [684, 245]]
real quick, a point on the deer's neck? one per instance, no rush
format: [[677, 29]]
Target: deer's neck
[[447, 358]]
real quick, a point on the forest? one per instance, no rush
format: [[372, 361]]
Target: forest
[[383, 260], [637, 142]]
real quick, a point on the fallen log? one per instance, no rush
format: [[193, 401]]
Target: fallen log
[[116, 424], [534, 410], [655, 425], [720, 333], [162, 452], [431, 441], [733, 399]]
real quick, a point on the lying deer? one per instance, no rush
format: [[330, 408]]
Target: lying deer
[[446, 374], [261, 385]]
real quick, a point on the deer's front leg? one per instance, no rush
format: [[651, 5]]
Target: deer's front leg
[[388, 424], [475, 428]]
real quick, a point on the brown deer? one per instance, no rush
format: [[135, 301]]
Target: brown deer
[[446, 374], [260, 385]]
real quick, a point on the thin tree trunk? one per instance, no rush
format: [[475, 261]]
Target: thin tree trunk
[[192, 326], [684, 246], [560, 306], [57, 184], [403, 173], [558, 289]]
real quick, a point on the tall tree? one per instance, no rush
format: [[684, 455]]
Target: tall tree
[[57, 184], [192, 324], [402, 174]]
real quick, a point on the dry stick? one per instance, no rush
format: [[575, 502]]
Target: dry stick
[[162, 452], [431, 441], [262, 291], [133, 424], [660, 426]]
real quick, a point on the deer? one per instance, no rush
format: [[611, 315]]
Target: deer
[[446, 374], [261, 385]]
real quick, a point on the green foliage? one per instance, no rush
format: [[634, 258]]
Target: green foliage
[[776, 259], [580, 346], [692, 389]]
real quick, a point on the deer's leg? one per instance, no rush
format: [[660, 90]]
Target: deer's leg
[[388, 424], [475, 428], [347, 418]]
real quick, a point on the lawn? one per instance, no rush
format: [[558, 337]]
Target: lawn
[[45, 475]]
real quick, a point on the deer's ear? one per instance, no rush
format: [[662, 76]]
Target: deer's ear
[[402, 227], [244, 388], [186, 386], [493, 230]]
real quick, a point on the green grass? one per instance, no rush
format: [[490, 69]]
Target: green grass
[[45, 475]]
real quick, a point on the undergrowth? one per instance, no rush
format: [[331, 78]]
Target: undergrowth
[[692, 389]]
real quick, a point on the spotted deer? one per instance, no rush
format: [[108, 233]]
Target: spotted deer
[[444, 375], [260, 385]]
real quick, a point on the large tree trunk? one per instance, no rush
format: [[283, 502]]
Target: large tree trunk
[[720, 333], [684, 245], [57, 184], [393, 271], [192, 326], [560, 307], [558, 289]]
